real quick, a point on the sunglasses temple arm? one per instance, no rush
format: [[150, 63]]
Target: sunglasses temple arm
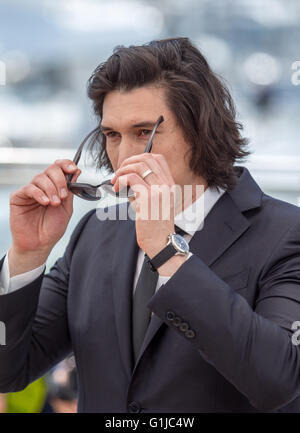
[[78, 153], [149, 144]]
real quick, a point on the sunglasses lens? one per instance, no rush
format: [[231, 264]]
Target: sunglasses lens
[[124, 193], [108, 188], [87, 193], [90, 193]]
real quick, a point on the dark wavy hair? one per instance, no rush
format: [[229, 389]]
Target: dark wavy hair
[[197, 96]]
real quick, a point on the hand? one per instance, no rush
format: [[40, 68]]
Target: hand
[[41, 210], [154, 200]]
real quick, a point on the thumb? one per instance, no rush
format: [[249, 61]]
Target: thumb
[[76, 175], [69, 199]]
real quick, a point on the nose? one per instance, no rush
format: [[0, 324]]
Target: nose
[[126, 149]]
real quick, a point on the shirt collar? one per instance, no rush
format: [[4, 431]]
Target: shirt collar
[[192, 218]]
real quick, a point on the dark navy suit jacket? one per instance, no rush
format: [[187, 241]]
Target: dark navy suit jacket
[[220, 336]]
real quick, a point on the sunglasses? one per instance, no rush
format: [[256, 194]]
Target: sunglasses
[[95, 192]]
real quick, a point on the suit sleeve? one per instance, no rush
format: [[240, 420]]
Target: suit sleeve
[[35, 320], [251, 348]]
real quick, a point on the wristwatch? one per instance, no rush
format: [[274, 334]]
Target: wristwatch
[[176, 245]]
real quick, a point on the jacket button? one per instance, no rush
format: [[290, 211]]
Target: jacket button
[[190, 333], [177, 321], [184, 327], [170, 316], [134, 407]]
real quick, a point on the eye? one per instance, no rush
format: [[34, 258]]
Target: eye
[[145, 132], [112, 134]]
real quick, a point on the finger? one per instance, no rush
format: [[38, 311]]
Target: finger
[[74, 178], [139, 168], [57, 175], [66, 165], [33, 192], [76, 175], [161, 160], [150, 162], [43, 182], [147, 159], [131, 179]]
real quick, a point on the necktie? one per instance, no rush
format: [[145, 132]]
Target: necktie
[[141, 315]]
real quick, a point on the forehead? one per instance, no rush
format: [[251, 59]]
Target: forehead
[[124, 108]]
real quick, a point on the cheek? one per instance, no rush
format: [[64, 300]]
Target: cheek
[[177, 166], [113, 155], [174, 162]]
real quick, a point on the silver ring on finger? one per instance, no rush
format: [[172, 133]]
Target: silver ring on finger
[[146, 173]]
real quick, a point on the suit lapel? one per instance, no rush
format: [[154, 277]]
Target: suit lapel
[[222, 227], [123, 270]]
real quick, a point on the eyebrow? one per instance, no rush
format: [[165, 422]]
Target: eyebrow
[[144, 124]]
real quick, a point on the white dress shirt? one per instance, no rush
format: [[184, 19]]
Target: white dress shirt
[[190, 220]]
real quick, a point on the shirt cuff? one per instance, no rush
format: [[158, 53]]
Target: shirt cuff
[[8, 285], [163, 279]]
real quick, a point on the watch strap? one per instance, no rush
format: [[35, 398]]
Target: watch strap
[[160, 258]]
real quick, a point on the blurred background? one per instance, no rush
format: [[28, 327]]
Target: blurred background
[[48, 50]]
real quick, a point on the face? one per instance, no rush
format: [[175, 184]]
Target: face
[[129, 117]]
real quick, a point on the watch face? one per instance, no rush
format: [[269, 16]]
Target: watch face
[[180, 243]]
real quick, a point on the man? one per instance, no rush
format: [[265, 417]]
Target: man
[[220, 337]]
